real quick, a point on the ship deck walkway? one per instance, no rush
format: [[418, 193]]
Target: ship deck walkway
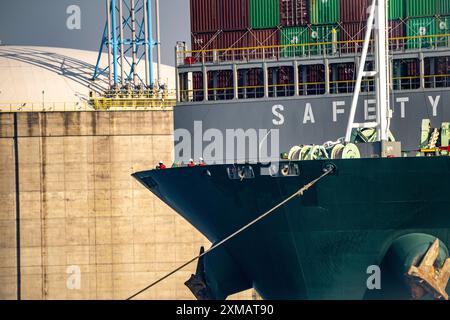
[[254, 72]]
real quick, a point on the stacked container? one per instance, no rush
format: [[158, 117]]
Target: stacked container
[[264, 14], [406, 74], [281, 82], [342, 77], [294, 31], [324, 11], [294, 36], [267, 38], [437, 72], [353, 21], [396, 34], [420, 29], [442, 72], [213, 20], [421, 8], [231, 24], [233, 14], [354, 14], [312, 79], [204, 16], [427, 18], [313, 27], [354, 32], [442, 66], [443, 7], [294, 13], [443, 29], [396, 9], [358, 10], [220, 85], [354, 10]]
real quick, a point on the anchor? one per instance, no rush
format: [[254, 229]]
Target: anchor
[[428, 279], [197, 282]]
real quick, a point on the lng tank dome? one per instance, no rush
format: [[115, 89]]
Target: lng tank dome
[[53, 76]]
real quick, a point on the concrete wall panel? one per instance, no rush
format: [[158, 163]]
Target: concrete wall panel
[[81, 208]]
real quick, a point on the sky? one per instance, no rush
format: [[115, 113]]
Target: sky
[[44, 23]]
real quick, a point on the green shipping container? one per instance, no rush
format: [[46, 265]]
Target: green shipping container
[[294, 36], [443, 28], [324, 11], [319, 39], [421, 8], [324, 34], [443, 7], [396, 9], [264, 14], [418, 27]]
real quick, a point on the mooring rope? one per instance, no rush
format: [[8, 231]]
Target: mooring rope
[[298, 193]]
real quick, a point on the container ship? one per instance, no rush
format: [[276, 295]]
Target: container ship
[[271, 62], [374, 200]]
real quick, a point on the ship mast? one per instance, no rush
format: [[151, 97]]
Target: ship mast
[[378, 24]]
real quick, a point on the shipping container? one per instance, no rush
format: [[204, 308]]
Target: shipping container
[[264, 14], [420, 29], [443, 24], [442, 66], [236, 45], [267, 38], [358, 10], [341, 72], [324, 39], [294, 12], [421, 8], [204, 41], [197, 86], [406, 74], [324, 11], [233, 14], [204, 16], [396, 35], [443, 29], [353, 34], [354, 10], [412, 67], [255, 77], [437, 72], [396, 9], [312, 79], [220, 85], [342, 76], [294, 36], [231, 42], [281, 81], [286, 75], [352, 37], [443, 7], [251, 83], [315, 73], [437, 66], [306, 41]]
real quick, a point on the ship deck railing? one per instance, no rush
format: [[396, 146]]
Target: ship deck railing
[[307, 50], [311, 88]]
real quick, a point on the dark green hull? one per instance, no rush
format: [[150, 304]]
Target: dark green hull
[[318, 246]]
